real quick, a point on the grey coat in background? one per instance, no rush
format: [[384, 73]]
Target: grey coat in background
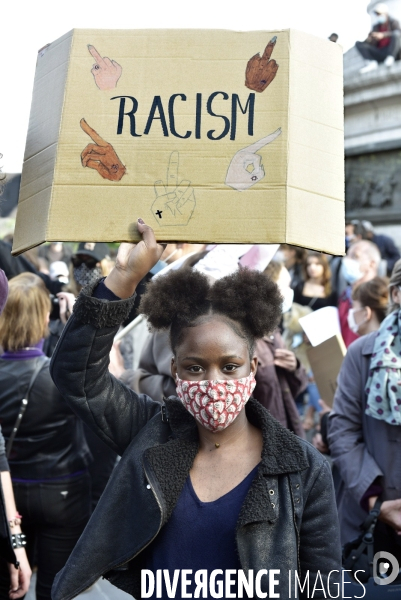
[[153, 376], [362, 448]]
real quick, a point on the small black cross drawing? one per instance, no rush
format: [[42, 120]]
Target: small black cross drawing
[[159, 213]]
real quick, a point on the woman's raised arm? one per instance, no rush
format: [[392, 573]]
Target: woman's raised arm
[[79, 366]]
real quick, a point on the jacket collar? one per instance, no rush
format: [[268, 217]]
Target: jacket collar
[[282, 452]]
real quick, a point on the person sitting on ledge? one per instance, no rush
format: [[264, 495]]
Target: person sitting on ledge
[[383, 42]]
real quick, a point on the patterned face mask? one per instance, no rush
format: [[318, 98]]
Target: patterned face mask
[[215, 404], [84, 275]]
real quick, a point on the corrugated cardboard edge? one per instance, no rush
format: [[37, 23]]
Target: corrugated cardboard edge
[[306, 198], [45, 194]]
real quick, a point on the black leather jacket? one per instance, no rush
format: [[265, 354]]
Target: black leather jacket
[[50, 441], [288, 520]]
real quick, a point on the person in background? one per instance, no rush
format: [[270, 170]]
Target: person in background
[[388, 250], [55, 252], [383, 42], [364, 429], [294, 257], [91, 261], [49, 455], [18, 566], [353, 232], [280, 376], [361, 264], [14, 265], [87, 264], [315, 291], [58, 271], [369, 309], [369, 306]]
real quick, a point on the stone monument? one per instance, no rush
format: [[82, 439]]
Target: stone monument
[[372, 112]]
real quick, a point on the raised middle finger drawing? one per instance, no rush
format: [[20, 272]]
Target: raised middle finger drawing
[[106, 72]]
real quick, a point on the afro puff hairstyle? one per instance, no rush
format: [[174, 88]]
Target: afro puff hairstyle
[[249, 300]]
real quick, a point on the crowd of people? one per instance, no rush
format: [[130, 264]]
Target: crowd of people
[[231, 347]]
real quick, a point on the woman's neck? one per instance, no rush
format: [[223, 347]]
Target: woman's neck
[[315, 280], [237, 433], [372, 325]]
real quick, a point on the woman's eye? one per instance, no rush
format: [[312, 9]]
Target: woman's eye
[[195, 369], [230, 368]]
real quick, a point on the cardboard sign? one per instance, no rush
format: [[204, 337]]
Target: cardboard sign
[[326, 360], [208, 135]]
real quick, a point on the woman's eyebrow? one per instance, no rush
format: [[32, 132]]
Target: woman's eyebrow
[[227, 357]]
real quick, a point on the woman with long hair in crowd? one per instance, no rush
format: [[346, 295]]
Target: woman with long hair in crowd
[[314, 292], [48, 455], [12, 540], [208, 480], [364, 427]]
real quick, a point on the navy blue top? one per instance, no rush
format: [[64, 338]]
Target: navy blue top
[[102, 292], [198, 535]]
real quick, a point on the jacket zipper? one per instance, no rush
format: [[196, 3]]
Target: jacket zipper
[[160, 524]]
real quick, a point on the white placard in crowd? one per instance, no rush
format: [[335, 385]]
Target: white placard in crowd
[[321, 324]]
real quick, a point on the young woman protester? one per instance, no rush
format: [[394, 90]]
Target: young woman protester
[[209, 481]]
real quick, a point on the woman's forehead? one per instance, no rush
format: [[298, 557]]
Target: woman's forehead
[[213, 333]]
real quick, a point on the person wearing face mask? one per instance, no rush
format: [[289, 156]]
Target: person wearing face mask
[[209, 480], [364, 427], [369, 306], [383, 42], [369, 309], [280, 377], [87, 264], [361, 264]]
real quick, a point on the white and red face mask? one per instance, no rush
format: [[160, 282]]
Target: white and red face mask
[[215, 403]]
